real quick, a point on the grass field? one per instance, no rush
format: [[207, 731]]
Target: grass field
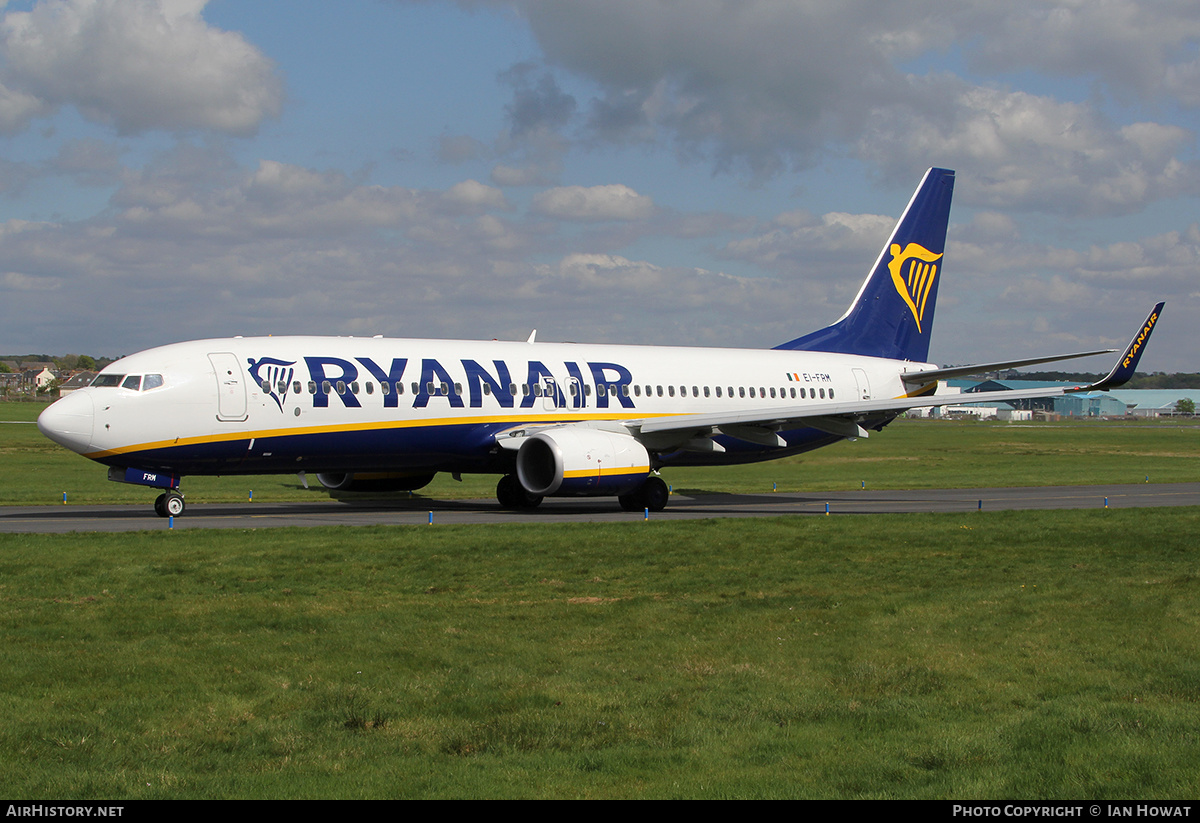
[[982, 655], [1000, 655]]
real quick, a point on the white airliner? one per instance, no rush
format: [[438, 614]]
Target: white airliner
[[549, 418]]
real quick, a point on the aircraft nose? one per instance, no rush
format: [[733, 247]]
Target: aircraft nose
[[68, 421]]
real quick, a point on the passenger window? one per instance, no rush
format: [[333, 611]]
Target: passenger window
[[793, 392], [660, 391], [625, 390], [822, 394], [457, 389], [637, 391], [312, 387], [601, 390], [487, 388], [772, 392], [399, 387], [265, 386], [751, 391], [706, 391], [831, 394], [671, 390], [341, 387], [370, 387], [133, 381], [741, 391], [718, 391], [445, 389], [296, 387], [385, 389]]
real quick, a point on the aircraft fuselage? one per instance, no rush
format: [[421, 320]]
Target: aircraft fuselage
[[344, 404]]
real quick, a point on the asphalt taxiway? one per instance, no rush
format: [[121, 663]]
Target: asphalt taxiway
[[421, 511]]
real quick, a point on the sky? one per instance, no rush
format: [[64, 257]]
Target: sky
[[692, 172]]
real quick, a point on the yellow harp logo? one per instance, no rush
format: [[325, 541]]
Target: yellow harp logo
[[913, 272]]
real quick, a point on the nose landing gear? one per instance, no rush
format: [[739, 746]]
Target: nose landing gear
[[169, 504]]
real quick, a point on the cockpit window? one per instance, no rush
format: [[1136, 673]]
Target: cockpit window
[[133, 382]]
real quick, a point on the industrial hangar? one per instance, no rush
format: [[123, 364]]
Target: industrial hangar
[[1111, 403]]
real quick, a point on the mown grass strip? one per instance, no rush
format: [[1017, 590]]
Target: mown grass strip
[[985, 655]]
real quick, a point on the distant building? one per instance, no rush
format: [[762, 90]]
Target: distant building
[[76, 381], [37, 378], [1110, 403]]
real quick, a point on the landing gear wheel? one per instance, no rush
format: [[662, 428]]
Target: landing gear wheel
[[512, 494], [169, 504], [654, 494]]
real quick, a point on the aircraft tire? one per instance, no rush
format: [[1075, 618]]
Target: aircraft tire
[[512, 495], [631, 502], [160, 505], [654, 494], [173, 505]]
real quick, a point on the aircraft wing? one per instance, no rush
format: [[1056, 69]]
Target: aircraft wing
[[837, 418], [933, 375], [844, 418]]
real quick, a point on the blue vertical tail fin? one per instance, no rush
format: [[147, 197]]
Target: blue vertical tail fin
[[893, 313]]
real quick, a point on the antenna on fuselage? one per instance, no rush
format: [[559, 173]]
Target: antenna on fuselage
[[532, 335]]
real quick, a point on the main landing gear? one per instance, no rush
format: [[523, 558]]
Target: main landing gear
[[652, 495], [512, 494], [169, 504]]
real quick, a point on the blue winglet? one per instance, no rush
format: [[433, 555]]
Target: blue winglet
[[1127, 364]]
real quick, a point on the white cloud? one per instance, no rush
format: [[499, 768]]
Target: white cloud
[[798, 241], [17, 108], [766, 85], [473, 196], [135, 64], [611, 202], [1034, 152]]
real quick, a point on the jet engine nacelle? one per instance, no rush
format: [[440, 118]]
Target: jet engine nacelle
[[373, 481], [573, 460]]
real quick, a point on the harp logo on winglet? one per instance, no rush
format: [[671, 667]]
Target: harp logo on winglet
[[913, 273]]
